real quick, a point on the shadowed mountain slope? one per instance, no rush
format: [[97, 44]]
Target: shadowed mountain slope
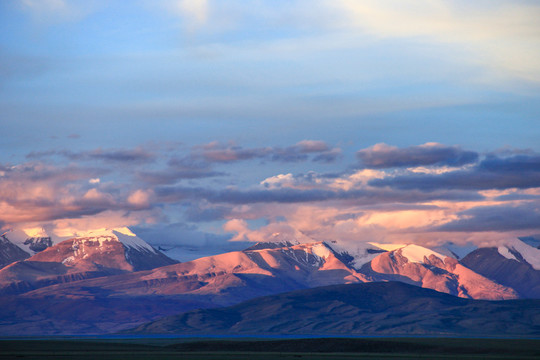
[[371, 309], [515, 273]]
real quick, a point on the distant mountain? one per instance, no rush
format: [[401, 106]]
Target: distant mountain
[[515, 264], [423, 267], [107, 252], [389, 308], [230, 277], [115, 271], [220, 280]]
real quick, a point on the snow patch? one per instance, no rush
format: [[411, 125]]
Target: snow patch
[[388, 247], [129, 239], [454, 250], [530, 254], [68, 260], [503, 250], [361, 253], [416, 253], [321, 250]]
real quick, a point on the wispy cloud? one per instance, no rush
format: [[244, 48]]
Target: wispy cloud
[[48, 12], [385, 156], [224, 153], [115, 155], [521, 171], [502, 35]]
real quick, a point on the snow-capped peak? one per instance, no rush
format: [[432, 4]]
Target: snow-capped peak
[[123, 235], [514, 249], [417, 253]]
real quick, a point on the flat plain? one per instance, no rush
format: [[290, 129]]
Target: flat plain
[[309, 348]]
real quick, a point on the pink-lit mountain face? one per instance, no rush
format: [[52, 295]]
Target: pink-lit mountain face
[[117, 271], [426, 268], [95, 255]]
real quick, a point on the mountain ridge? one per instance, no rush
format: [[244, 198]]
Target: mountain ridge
[[53, 283]]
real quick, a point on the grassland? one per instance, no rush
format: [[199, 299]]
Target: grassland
[[262, 349]]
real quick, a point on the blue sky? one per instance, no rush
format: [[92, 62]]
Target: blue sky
[[202, 96]]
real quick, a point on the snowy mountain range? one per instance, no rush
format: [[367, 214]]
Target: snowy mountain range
[[114, 270]]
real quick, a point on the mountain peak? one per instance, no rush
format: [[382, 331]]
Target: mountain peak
[[124, 235]]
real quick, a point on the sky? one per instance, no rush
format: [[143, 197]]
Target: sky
[[207, 124]]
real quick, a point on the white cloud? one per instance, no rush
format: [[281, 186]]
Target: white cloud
[[194, 13], [500, 36], [140, 198], [105, 220]]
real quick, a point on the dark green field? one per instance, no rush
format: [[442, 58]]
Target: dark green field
[[314, 348]]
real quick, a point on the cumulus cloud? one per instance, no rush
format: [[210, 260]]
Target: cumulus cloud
[[276, 232], [140, 198], [37, 191]]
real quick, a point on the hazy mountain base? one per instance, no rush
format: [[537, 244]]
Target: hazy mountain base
[[27, 316], [390, 308]]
